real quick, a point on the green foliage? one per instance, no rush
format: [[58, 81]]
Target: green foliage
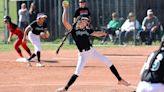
[[1, 15], [54, 45], [12, 13]]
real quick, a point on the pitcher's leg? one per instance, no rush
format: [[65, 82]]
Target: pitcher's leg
[[71, 81], [80, 65], [111, 66], [101, 58]]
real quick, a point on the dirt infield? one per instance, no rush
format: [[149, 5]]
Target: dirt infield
[[96, 77]]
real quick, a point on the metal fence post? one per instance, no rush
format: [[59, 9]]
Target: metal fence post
[[6, 12], [135, 30]]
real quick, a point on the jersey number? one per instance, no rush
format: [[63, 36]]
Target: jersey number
[[156, 63]]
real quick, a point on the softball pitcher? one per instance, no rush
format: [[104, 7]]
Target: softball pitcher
[[81, 37], [152, 73], [15, 30], [35, 30]]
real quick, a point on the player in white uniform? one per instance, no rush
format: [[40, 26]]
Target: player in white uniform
[[81, 37], [152, 73], [34, 30]]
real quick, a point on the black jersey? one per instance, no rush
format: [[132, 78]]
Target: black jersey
[[83, 12], [81, 38], [154, 68], [37, 29]]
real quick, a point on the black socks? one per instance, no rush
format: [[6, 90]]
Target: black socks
[[115, 72], [19, 52], [71, 81], [38, 55], [28, 51], [74, 77], [32, 56]]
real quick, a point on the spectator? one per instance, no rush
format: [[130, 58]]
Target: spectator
[[128, 28], [150, 25], [82, 11], [33, 12], [23, 16], [113, 26]]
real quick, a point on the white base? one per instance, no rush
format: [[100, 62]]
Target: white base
[[21, 60]]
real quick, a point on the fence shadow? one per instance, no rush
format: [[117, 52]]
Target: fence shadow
[[50, 61]]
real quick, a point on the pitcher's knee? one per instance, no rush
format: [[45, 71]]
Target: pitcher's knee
[[77, 73], [108, 62]]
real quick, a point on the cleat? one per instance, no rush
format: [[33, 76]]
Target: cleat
[[123, 82], [39, 65], [60, 90]]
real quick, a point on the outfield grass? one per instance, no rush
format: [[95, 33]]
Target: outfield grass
[[1, 14], [45, 46], [48, 46], [55, 45], [12, 12]]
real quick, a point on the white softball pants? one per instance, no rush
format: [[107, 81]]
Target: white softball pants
[[90, 54], [35, 40], [150, 87]]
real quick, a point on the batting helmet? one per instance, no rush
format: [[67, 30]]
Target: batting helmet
[[7, 18]]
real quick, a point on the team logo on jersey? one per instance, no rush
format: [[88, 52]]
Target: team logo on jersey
[[156, 63], [84, 12], [37, 28], [81, 33]]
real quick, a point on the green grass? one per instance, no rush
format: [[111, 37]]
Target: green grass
[[12, 13], [1, 14], [54, 45], [51, 46]]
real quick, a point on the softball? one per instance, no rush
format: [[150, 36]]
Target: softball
[[66, 3]]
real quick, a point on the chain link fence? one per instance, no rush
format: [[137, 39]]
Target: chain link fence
[[101, 11]]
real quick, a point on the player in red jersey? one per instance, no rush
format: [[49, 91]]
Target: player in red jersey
[[15, 30]]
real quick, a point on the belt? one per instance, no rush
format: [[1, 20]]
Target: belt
[[85, 49]]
